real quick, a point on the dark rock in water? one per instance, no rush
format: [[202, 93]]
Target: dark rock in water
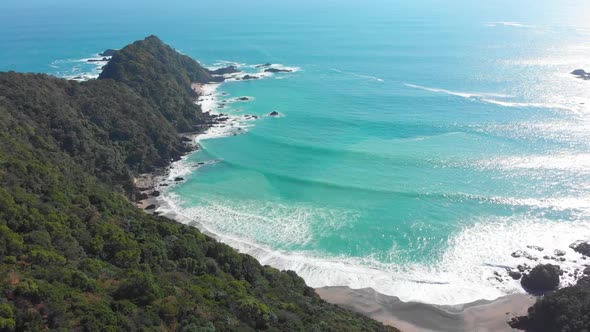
[[264, 65], [546, 257], [522, 268], [164, 185], [243, 98], [273, 113], [150, 207], [559, 253], [276, 70], [142, 196], [201, 163], [249, 77], [541, 279], [156, 213], [587, 271], [178, 179], [514, 275], [225, 70], [581, 247], [108, 52], [97, 60], [536, 248], [581, 73], [155, 193]]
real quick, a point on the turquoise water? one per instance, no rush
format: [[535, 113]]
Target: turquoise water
[[420, 143]]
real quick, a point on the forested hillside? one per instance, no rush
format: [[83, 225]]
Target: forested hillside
[[75, 254]]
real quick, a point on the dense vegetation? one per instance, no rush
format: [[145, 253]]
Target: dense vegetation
[[161, 76], [565, 310], [75, 254]]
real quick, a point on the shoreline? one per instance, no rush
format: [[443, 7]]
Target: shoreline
[[480, 315], [408, 316]]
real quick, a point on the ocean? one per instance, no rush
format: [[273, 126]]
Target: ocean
[[419, 144]]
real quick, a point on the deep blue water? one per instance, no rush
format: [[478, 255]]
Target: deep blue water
[[420, 142]]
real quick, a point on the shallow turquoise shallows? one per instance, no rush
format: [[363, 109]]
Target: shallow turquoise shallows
[[420, 143]]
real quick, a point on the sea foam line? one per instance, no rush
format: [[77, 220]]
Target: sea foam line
[[375, 78], [487, 98]]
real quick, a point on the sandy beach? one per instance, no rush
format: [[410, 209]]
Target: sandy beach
[[480, 316]]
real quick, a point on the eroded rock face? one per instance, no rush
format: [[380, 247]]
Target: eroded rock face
[[542, 278]]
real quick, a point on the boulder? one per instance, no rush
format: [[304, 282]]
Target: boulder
[[249, 77], [559, 253], [108, 52], [581, 247], [155, 193], [521, 253], [243, 98], [178, 179], [150, 207], [264, 65], [142, 196], [273, 113], [542, 278], [515, 275]]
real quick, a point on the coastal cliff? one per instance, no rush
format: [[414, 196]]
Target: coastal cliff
[[75, 254]]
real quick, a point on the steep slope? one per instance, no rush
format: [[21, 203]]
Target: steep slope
[[163, 77], [76, 255]]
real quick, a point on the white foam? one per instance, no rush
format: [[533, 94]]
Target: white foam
[[509, 24], [468, 95], [579, 162], [465, 273], [374, 78]]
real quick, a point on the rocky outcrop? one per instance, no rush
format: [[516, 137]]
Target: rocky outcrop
[[273, 113], [542, 278], [581, 247], [108, 52], [178, 179], [276, 70], [249, 77], [224, 70], [97, 60], [264, 65], [521, 253]]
